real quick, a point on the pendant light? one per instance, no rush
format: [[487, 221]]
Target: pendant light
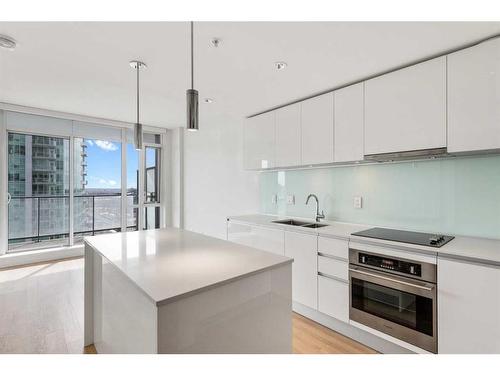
[[138, 142], [192, 95]]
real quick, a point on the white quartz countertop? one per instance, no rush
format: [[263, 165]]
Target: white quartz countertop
[[474, 249], [167, 264]]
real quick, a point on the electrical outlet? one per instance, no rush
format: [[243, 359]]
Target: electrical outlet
[[274, 199], [290, 199], [358, 202]]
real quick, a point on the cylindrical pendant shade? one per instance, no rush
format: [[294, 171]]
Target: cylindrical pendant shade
[[138, 136], [192, 109]]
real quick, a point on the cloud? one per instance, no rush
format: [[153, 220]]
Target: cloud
[[102, 182], [89, 142], [106, 146]]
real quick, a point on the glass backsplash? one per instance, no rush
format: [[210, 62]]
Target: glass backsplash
[[458, 196]]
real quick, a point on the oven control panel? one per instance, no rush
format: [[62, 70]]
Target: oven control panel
[[409, 268]]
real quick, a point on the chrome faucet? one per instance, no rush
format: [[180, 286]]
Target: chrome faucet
[[318, 215]]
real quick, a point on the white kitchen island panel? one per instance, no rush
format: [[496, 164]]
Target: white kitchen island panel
[[174, 291], [125, 319], [251, 315]]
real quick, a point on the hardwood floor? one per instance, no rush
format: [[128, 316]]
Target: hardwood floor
[[310, 337], [41, 311]]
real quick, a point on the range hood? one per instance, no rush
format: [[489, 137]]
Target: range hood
[[408, 155]]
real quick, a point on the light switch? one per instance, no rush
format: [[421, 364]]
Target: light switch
[[358, 202], [290, 199]]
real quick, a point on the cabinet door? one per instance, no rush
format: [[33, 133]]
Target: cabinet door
[[270, 240], [317, 130], [259, 141], [303, 249], [468, 307], [348, 138], [474, 98], [333, 298], [288, 136], [406, 110]]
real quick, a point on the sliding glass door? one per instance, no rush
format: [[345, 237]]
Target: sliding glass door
[[61, 189], [97, 187], [38, 191]]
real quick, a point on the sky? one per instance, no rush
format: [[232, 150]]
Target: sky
[[104, 164]]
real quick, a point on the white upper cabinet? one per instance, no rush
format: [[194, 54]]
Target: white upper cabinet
[[348, 138], [288, 136], [259, 141], [406, 110], [317, 130], [474, 98]]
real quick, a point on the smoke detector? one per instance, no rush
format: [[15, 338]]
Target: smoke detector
[[7, 42]]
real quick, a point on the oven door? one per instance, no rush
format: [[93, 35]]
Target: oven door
[[398, 306]]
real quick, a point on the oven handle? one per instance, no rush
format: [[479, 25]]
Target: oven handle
[[391, 279]]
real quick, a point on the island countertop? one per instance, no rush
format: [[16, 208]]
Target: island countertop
[[167, 264]]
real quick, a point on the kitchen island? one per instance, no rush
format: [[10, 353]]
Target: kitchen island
[[175, 291]]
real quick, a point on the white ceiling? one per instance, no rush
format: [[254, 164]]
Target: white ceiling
[[83, 68]]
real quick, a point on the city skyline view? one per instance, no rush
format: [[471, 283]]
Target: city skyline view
[[39, 169]]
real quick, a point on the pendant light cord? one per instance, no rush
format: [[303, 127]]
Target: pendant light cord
[[137, 68], [192, 58]]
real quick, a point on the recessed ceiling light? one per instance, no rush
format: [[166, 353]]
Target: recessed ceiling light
[[208, 100], [216, 42], [280, 65], [7, 42]]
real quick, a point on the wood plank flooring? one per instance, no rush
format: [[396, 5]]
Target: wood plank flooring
[[41, 311]]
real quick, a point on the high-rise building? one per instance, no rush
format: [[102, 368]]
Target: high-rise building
[[38, 183]]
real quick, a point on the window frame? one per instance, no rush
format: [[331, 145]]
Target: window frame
[[71, 134]]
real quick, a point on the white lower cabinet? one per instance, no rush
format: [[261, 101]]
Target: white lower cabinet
[[468, 307], [333, 298], [303, 249], [266, 239]]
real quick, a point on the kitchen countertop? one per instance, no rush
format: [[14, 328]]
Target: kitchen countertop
[[473, 249], [167, 264]]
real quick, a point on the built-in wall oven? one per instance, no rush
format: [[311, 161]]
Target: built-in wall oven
[[395, 296]]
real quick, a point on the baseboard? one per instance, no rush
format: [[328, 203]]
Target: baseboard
[[38, 256], [355, 333]]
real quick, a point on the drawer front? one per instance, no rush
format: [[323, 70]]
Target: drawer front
[[334, 247], [333, 267], [333, 298]]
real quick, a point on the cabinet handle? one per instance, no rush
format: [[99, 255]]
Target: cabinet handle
[[427, 288]]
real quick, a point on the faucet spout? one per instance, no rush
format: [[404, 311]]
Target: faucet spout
[[318, 215]]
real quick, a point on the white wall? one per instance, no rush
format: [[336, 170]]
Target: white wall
[[215, 184]]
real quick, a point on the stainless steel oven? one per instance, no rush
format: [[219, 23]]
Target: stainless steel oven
[[395, 296]]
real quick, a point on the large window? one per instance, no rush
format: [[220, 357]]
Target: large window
[[61, 189], [152, 188], [38, 188], [132, 187], [97, 187]]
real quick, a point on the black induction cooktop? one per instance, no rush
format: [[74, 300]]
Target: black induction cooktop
[[416, 238]]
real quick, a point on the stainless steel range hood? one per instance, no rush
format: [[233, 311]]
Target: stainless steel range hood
[[408, 155]]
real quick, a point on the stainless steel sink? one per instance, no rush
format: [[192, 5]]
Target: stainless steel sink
[[296, 223], [315, 225], [299, 223]]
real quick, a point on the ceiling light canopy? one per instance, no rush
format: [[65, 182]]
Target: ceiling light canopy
[[138, 134], [7, 42]]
